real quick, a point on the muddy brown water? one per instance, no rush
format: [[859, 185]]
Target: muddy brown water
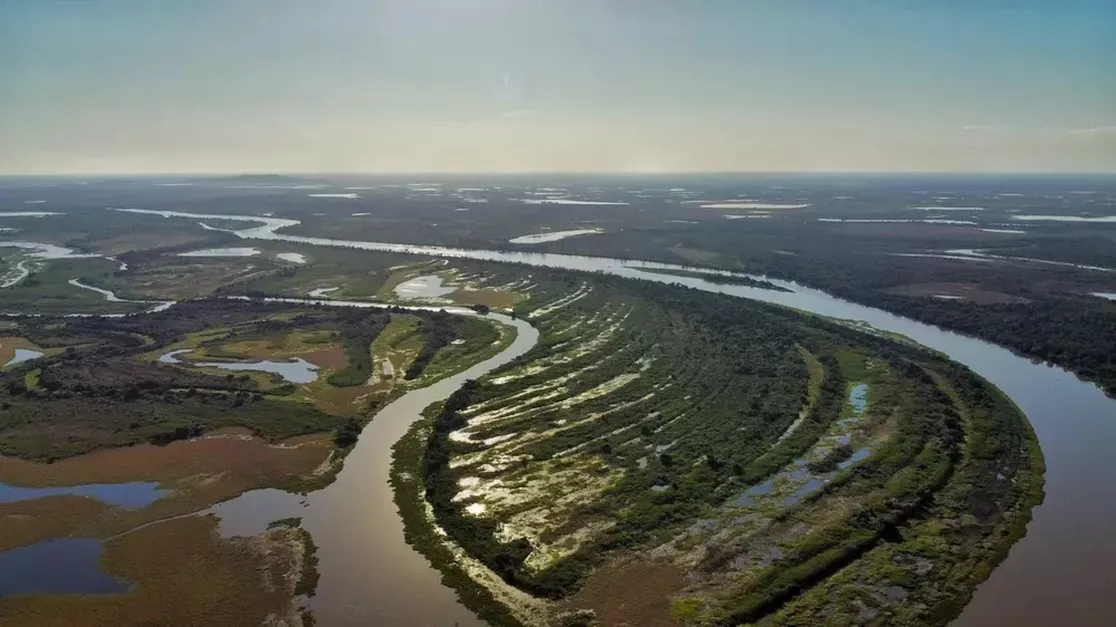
[[369, 574]]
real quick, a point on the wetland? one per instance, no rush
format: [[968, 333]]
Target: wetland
[[803, 470]]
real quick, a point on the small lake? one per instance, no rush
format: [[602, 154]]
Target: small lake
[[569, 201], [22, 355], [63, 566], [40, 250], [296, 370], [134, 494], [298, 258], [551, 236], [1051, 218], [750, 205], [222, 252], [428, 286]]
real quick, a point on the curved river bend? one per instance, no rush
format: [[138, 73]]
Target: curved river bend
[[1060, 573], [369, 574]]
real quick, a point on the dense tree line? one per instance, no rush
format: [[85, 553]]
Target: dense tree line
[[437, 330], [1055, 318], [358, 329], [737, 381]]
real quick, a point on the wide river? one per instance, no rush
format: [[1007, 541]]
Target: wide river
[[1062, 572]]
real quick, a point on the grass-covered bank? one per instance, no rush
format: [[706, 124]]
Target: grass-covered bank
[[408, 481], [185, 575]]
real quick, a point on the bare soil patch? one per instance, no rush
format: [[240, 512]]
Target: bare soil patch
[[167, 464], [332, 358], [969, 291], [632, 594]]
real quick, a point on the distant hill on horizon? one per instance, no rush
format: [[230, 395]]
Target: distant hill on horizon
[[262, 179]]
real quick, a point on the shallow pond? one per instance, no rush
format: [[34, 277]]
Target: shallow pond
[[552, 236], [22, 355], [222, 252], [858, 398], [134, 494], [801, 478], [298, 370], [428, 286], [298, 258], [295, 370], [751, 494], [63, 566]]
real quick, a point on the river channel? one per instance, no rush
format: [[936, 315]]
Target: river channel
[[369, 574], [1060, 573]]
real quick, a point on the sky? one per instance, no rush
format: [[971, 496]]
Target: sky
[[223, 86]]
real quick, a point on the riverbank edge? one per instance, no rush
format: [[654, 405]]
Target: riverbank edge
[[1033, 494], [419, 531]]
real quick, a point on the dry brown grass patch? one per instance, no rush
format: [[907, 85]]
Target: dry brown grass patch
[[9, 344], [200, 472], [332, 358], [973, 292], [185, 575], [631, 593]]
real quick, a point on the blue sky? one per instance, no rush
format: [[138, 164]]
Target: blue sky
[[119, 86]]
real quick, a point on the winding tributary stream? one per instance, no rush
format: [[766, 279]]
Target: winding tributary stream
[[1060, 573]]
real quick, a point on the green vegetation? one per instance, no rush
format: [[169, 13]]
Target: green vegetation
[[726, 279], [437, 332], [645, 411], [1040, 310], [100, 386], [47, 289], [352, 276], [716, 435], [358, 330]]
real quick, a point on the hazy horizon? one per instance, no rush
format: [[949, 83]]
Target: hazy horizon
[[395, 87], [356, 174]]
